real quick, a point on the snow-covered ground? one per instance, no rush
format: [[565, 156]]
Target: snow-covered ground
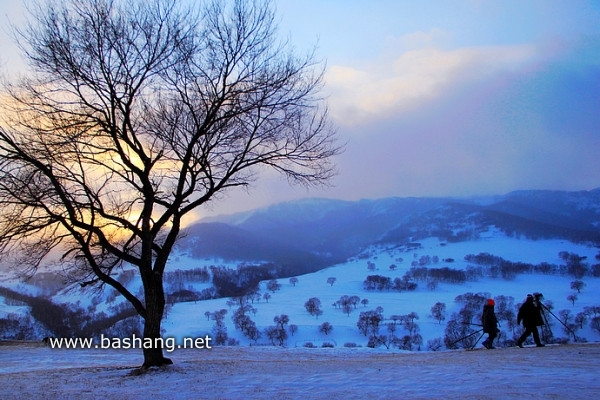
[[553, 372], [188, 319], [31, 370]]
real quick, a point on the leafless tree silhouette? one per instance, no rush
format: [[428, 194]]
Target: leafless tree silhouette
[[134, 114]]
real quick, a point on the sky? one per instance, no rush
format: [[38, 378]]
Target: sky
[[441, 98]]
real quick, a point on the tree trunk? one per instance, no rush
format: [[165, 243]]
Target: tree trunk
[[155, 305], [153, 355]]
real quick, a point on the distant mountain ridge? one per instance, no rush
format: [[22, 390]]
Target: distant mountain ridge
[[312, 233]]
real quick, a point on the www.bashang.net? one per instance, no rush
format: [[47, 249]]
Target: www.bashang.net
[[134, 342]]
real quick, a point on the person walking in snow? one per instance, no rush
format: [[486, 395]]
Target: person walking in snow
[[489, 323], [531, 314]]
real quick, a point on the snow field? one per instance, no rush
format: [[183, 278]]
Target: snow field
[[188, 319]]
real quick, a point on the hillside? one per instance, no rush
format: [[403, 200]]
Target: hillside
[[408, 255], [334, 230], [190, 318]]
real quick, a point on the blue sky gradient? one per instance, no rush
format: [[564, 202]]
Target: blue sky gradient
[[442, 98]]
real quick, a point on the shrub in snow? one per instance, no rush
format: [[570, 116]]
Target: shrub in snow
[[435, 344]]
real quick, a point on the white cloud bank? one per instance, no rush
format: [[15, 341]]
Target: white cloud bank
[[395, 85]]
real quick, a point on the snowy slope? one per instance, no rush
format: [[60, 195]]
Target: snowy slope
[[188, 319], [250, 371]]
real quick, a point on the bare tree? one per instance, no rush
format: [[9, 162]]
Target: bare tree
[[277, 334], [273, 285], [313, 306], [438, 311], [577, 285], [293, 329], [325, 328], [135, 114]]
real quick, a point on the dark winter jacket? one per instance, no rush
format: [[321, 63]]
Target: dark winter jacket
[[489, 320], [530, 314]]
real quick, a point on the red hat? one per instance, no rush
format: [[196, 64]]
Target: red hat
[[490, 302]]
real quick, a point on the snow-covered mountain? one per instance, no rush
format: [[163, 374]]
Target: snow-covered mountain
[[334, 230], [399, 257]]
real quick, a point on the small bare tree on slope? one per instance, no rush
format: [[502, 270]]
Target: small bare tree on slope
[[136, 113]]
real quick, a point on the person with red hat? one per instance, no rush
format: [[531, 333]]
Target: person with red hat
[[489, 323]]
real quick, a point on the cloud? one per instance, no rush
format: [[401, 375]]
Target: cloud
[[396, 85], [436, 37], [478, 120]]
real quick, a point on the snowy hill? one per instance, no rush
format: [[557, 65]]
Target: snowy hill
[[335, 230], [343, 362], [420, 252], [188, 319]]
